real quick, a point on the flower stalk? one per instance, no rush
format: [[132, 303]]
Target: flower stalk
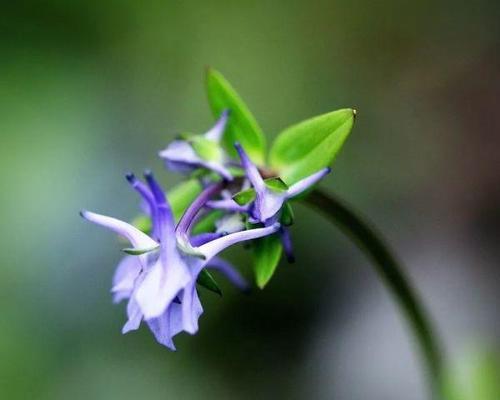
[[392, 274]]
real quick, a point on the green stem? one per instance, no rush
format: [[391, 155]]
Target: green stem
[[392, 274]]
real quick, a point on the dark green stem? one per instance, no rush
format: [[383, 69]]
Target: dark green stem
[[392, 274]]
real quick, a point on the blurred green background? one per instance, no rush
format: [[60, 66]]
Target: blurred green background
[[92, 89]]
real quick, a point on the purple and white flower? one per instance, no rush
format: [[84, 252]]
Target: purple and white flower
[[159, 279]]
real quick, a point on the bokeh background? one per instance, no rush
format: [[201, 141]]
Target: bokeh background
[[92, 89]]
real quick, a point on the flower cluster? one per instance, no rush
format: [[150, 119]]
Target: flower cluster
[[160, 273]]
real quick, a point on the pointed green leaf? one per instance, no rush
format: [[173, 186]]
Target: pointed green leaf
[[276, 184], [206, 280], [305, 148], [244, 197], [137, 252], [267, 254], [242, 126]]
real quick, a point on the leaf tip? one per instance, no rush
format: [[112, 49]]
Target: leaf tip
[[211, 72], [262, 284]]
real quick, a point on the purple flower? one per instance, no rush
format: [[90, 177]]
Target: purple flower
[[268, 201], [199, 151], [159, 279]]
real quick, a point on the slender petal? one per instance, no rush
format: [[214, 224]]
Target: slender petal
[[216, 246], [306, 183], [187, 219], [138, 239], [166, 222], [251, 170], [160, 198], [148, 198], [217, 131], [229, 272], [142, 189]]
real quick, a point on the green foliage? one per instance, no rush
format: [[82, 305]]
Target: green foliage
[[310, 145], [267, 254], [206, 280], [244, 197], [297, 152], [242, 126], [276, 185]]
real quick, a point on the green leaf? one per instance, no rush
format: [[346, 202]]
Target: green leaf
[[305, 148], [276, 184], [267, 254], [244, 197], [206, 280], [242, 126], [137, 252], [182, 195]]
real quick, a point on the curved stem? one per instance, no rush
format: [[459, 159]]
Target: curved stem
[[392, 274]]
